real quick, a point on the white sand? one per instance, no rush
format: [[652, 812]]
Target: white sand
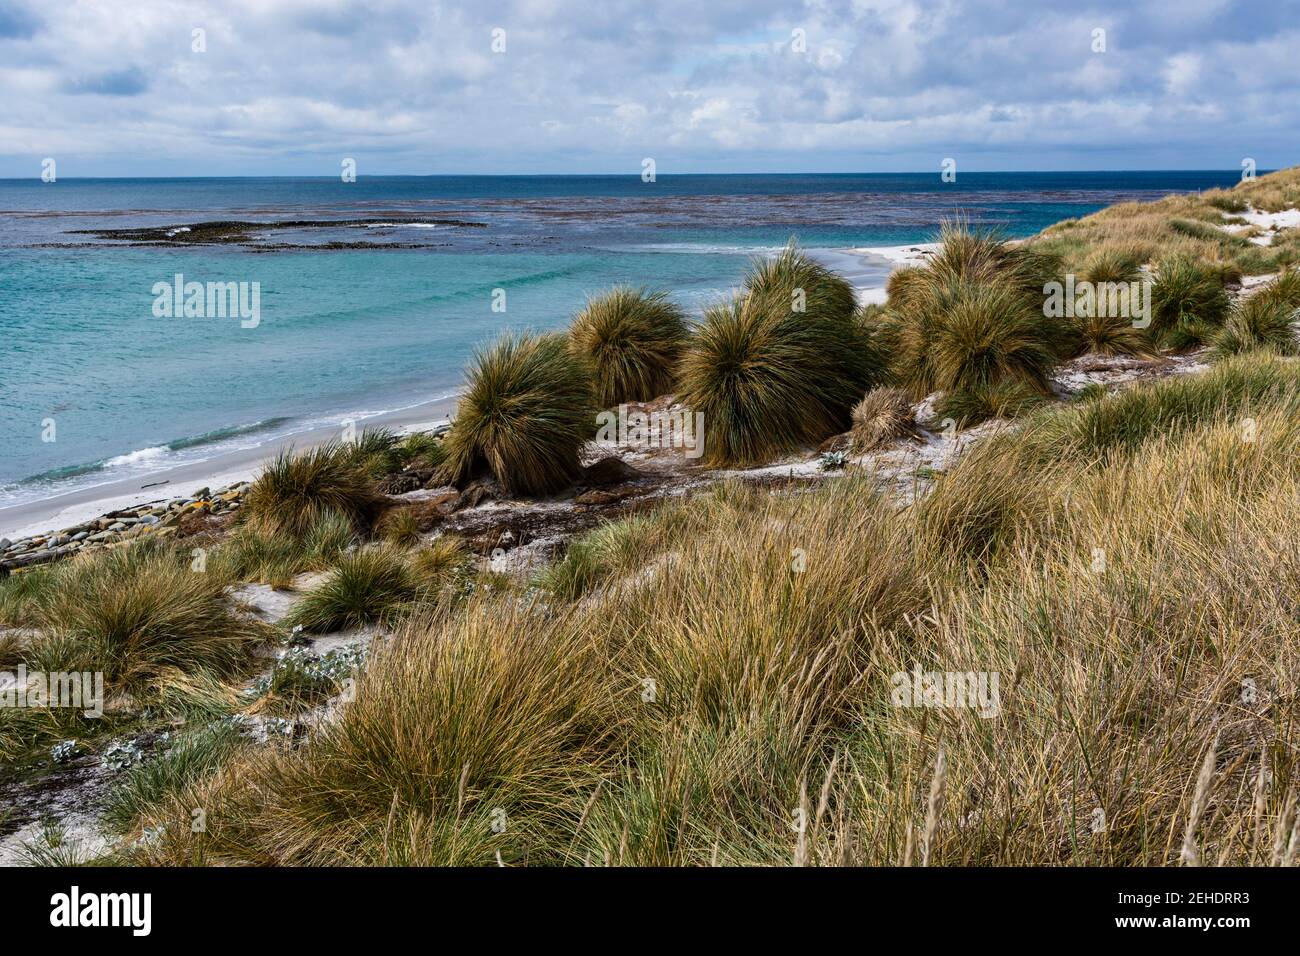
[[911, 254], [181, 481], [1269, 222]]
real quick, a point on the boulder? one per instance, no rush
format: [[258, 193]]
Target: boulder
[[610, 470]]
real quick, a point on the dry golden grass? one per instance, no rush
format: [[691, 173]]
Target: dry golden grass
[[883, 415], [1180, 225], [1137, 605]]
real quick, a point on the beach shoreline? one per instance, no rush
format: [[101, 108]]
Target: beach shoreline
[[73, 507], [69, 508]]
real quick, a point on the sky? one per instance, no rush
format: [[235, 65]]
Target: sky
[[290, 87]]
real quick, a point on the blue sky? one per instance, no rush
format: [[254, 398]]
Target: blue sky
[[289, 87]]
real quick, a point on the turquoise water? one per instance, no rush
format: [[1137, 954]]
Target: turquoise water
[[387, 316]]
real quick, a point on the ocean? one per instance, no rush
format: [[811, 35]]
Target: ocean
[[371, 295]]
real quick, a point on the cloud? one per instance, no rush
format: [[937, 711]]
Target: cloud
[[412, 87], [131, 81], [16, 21], [1181, 73]]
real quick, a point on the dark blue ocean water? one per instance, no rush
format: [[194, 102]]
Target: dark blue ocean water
[[380, 307]]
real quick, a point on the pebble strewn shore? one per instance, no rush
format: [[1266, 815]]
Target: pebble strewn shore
[[158, 519]]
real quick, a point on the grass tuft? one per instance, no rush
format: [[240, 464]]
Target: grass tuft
[[298, 489], [372, 585], [884, 415], [780, 367], [632, 340], [1188, 303], [525, 415]]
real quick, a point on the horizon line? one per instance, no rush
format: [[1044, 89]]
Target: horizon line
[[637, 175]]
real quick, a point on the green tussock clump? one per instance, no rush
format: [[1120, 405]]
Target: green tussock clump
[[1120, 423], [780, 367], [1225, 201], [250, 554], [18, 594], [372, 585], [376, 451], [442, 561], [972, 334], [298, 489], [907, 285], [1285, 288], [1003, 398], [422, 448], [967, 254], [525, 415], [973, 317], [1188, 302], [399, 526], [143, 616], [632, 340], [1196, 229], [1264, 319], [457, 726], [592, 558], [1112, 335], [1106, 308], [1113, 264]]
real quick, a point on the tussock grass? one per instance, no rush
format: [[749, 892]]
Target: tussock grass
[[1112, 335], [971, 322], [18, 595], [1002, 398], [632, 339], [1113, 264], [297, 490], [441, 561], [1258, 321], [380, 584], [250, 554], [1232, 391], [973, 334], [141, 616], [769, 377], [970, 255], [517, 726], [1182, 225], [196, 755], [884, 415], [12, 648], [400, 526], [525, 415], [372, 585], [422, 448], [1266, 318], [376, 451], [1188, 303], [1093, 327], [1124, 566], [592, 558]]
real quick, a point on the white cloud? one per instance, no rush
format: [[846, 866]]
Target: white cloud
[[1181, 72], [288, 86]]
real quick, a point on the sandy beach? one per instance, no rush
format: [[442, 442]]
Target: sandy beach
[[65, 510], [910, 254]]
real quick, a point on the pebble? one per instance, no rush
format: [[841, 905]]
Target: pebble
[[117, 528]]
